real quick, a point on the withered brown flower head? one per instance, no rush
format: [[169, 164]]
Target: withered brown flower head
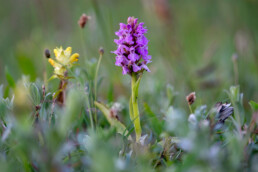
[[163, 10], [83, 20], [224, 110], [101, 51], [47, 53], [191, 98]]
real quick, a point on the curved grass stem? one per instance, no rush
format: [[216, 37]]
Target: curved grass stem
[[83, 44], [96, 83], [90, 113]]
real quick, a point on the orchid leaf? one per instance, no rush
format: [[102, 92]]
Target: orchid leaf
[[120, 128], [253, 105], [52, 77], [136, 86], [131, 109]]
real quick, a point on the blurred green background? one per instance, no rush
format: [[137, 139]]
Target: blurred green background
[[191, 42]]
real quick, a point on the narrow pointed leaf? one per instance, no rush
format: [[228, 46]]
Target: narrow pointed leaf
[[121, 129]]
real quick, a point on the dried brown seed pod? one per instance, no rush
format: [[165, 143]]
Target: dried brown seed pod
[[191, 98], [101, 51], [38, 107], [47, 53], [83, 20]]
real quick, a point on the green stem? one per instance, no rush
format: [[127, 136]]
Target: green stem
[[90, 114], [190, 108], [135, 108], [96, 84], [236, 72], [96, 77], [83, 43]]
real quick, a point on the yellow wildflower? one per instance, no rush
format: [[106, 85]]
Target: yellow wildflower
[[63, 60]]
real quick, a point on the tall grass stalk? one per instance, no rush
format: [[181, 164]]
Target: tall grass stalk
[[96, 83]]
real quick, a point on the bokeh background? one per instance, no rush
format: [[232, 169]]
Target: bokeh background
[[191, 42]]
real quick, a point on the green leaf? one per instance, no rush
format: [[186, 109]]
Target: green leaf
[[156, 124], [35, 93], [5, 103], [235, 94], [136, 86], [52, 77], [254, 105], [91, 68], [131, 109], [170, 93], [57, 93], [27, 67], [6, 91], [110, 94], [1, 91], [100, 80], [9, 78], [120, 128], [237, 100], [73, 105]]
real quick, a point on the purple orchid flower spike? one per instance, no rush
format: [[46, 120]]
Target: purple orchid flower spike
[[132, 55], [132, 47]]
